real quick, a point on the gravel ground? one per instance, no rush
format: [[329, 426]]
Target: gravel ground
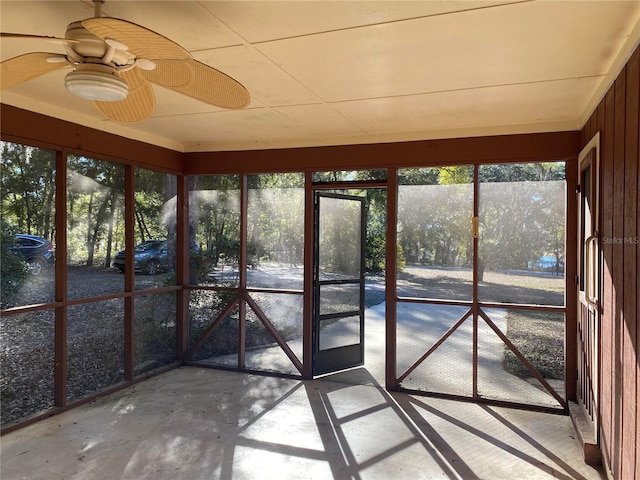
[[95, 340]]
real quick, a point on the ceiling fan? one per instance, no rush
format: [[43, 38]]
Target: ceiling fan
[[114, 62]]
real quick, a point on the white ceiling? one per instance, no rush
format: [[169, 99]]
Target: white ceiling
[[340, 72]]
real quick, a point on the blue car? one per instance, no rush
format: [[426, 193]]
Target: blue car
[[37, 252], [149, 257]]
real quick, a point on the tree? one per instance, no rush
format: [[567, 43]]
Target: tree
[[95, 189], [521, 213], [275, 218], [28, 188], [435, 206], [155, 207], [214, 206], [376, 235]]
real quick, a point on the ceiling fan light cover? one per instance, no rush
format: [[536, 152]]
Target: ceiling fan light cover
[[95, 85]]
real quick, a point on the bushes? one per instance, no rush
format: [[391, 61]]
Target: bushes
[[205, 306], [200, 264], [13, 271]]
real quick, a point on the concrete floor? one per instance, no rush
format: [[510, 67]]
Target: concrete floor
[[447, 371], [194, 423]]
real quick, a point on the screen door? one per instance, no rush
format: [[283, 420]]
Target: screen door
[[338, 282]]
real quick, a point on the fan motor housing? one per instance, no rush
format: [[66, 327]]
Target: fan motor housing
[[96, 82], [91, 47]]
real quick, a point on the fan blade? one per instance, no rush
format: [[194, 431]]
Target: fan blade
[[170, 73], [139, 104], [141, 41], [25, 67], [199, 81], [56, 40]]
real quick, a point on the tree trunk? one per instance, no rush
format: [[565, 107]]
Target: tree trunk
[[48, 230], [480, 269], [95, 234], [90, 245], [112, 212]]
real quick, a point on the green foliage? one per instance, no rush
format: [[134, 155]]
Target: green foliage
[[418, 176], [13, 271], [200, 265], [275, 180], [339, 236], [522, 211], [27, 176], [434, 214], [375, 249], [349, 175], [455, 175], [148, 221], [214, 203], [204, 308], [275, 218], [155, 331], [275, 224], [95, 201], [95, 210], [376, 235], [522, 172], [155, 204], [6, 393], [401, 260], [521, 214]]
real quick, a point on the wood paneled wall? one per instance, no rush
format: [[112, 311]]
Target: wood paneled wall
[[533, 147], [23, 126], [616, 118]]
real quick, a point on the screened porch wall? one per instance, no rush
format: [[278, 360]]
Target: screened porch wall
[[24, 127]]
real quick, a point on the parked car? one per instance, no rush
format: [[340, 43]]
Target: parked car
[[547, 263], [149, 257], [37, 252]]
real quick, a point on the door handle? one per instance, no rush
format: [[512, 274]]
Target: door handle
[[591, 270]]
